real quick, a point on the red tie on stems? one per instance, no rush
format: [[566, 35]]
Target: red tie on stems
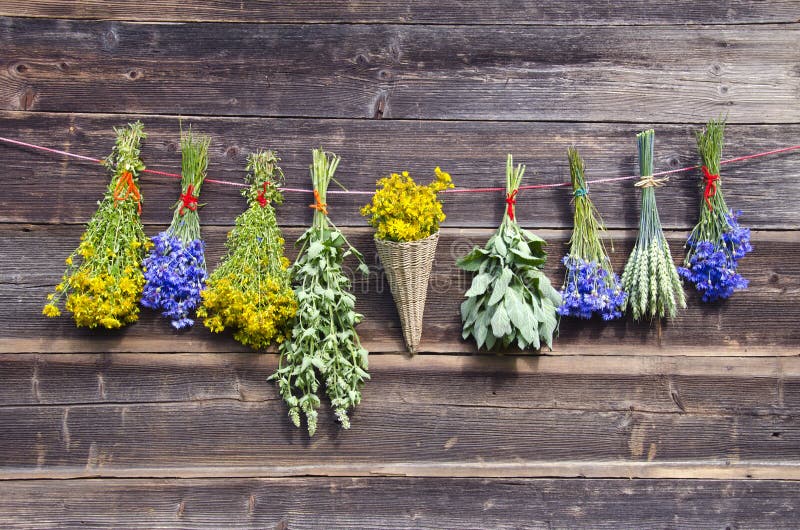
[[711, 186], [188, 200], [511, 200]]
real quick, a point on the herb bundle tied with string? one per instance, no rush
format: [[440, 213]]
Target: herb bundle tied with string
[[510, 301], [650, 277], [175, 268], [591, 286], [103, 281], [324, 345], [250, 291], [717, 242]]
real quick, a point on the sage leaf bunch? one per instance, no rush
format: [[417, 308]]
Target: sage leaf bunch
[[324, 348], [510, 301]]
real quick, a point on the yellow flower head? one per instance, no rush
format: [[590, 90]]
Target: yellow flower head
[[402, 210]]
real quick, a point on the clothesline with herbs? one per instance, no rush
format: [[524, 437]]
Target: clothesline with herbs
[[666, 173]]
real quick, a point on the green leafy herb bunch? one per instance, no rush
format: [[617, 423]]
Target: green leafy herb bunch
[[650, 277], [103, 281], [324, 345], [250, 292], [510, 300]]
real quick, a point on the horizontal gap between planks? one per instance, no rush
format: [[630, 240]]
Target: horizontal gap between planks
[[267, 22], [142, 116], [693, 469]]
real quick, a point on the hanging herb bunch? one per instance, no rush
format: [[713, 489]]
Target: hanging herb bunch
[[175, 269], [324, 346], [591, 286], [103, 281], [650, 277], [510, 299], [250, 292], [717, 242]]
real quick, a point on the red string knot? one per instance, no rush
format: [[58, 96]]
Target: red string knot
[[511, 201], [262, 196], [188, 200], [711, 186]]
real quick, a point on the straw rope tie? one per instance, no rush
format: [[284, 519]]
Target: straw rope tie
[[649, 181]]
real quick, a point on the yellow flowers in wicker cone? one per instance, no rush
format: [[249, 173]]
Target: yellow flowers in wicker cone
[[407, 217]]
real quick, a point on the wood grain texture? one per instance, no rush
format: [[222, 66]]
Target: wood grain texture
[[759, 321], [636, 74], [232, 437], [585, 12], [41, 188], [398, 503]]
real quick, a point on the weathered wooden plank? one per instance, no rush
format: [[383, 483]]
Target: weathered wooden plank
[[759, 321], [624, 73], [418, 12], [172, 439], [695, 385], [398, 503], [42, 188]]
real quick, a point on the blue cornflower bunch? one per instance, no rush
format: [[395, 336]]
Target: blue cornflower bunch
[[175, 274], [591, 286], [590, 289], [717, 242], [175, 268], [711, 266]]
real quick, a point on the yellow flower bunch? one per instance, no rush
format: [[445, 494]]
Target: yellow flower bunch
[[250, 292], [402, 210], [258, 316], [103, 281]]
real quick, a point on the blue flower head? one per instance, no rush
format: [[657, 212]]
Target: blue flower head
[[590, 289], [712, 265], [175, 275]]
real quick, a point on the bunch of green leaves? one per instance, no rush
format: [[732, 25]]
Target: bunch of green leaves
[[650, 277], [194, 163], [103, 281], [510, 299], [324, 345]]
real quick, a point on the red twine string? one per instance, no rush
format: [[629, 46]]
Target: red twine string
[[125, 188], [262, 198], [711, 186], [511, 200], [188, 200]]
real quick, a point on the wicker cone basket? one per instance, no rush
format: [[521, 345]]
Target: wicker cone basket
[[408, 269]]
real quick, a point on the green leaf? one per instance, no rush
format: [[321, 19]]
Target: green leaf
[[363, 269], [314, 249], [501, 325], [500, 285], [524, 258], [479, 284], [472, 261], [490, 341], [518, 312]]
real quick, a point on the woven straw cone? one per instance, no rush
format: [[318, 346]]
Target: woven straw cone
[[408, 269]]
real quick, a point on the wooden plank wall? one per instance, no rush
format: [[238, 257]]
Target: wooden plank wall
[[616, 427]]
